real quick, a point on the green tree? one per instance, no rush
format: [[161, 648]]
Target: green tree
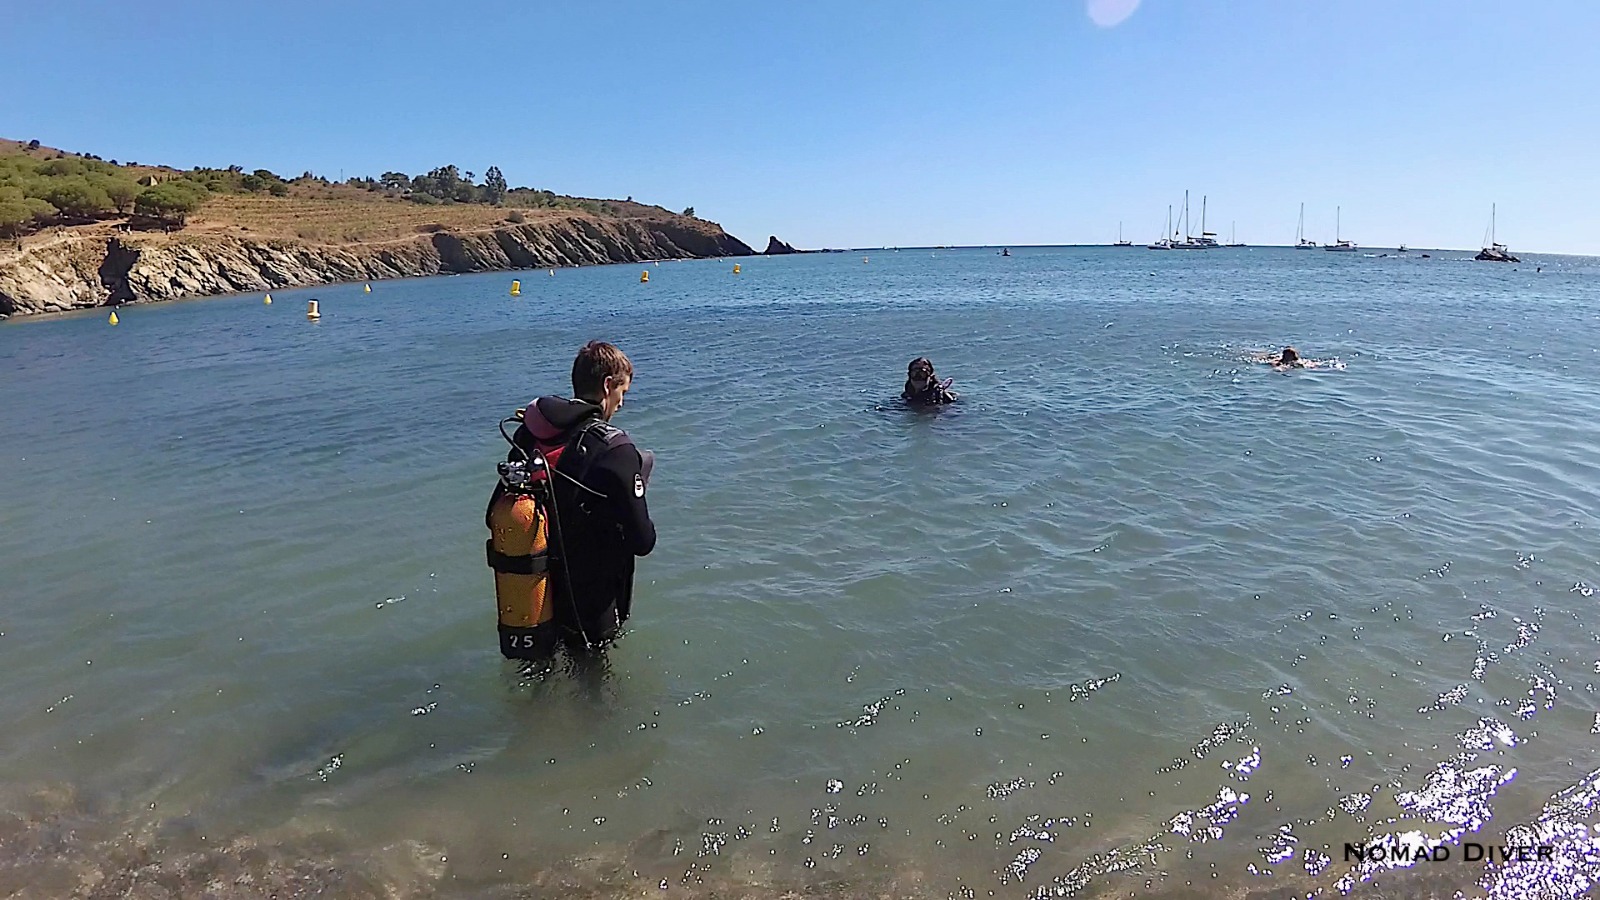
[[689, 211], [395, 181], [172, 200], [494, 186], [59, 167], [442, 182], [75, 195], [278, 189], [122, 193], [19, 212]]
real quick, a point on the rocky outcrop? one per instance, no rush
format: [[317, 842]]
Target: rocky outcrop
[[77, 271], [776, 247]]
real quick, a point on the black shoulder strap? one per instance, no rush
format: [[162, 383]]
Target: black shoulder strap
[[600, 432]]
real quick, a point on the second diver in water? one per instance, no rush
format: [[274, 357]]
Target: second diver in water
[[923, 388], [1290, 358]]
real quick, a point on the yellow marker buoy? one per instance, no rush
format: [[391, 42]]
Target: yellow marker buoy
[[113, 319], [516, 289], [311, 310], [644, 276], [368, 289], [735, 268], [268, 300]]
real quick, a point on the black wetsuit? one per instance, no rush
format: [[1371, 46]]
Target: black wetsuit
[[604, 524], [932, 395]]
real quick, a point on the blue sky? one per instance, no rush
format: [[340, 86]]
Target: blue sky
[[880, 123]]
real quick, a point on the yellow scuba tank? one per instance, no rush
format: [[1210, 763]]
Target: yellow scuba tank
[[520, 528], [518, 551]]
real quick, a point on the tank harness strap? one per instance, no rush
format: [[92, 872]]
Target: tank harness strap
[[609, 435], [535, 564]]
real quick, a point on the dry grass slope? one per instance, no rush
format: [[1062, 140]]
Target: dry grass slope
[[342, 215]]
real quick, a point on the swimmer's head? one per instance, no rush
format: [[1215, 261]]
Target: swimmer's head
[[1289, 356], [920, 371]]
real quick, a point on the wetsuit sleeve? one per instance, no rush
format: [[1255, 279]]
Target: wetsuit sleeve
[[621, 468]]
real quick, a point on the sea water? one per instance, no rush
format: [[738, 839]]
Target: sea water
[[1136, 616]]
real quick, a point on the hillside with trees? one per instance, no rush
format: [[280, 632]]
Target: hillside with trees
[[79, 231], [42, 187]]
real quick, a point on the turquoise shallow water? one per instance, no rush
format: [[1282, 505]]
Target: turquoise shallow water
[[1135, 617]]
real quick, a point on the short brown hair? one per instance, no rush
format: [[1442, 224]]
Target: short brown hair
[[597, 361]]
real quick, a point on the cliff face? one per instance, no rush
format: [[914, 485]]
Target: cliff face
[[77, 271]]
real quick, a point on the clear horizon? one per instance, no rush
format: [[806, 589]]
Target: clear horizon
[[903, 124]]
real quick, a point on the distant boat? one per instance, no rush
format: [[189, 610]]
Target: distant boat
[[1163, 243], [1120, 242], [1339, 245], [1300, 242], [1233, 236], [1402, 248], [1006, 252], [1495, 252], [1205, 241]]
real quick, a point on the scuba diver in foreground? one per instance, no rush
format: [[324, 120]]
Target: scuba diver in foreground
[[568, 516], [922, 388]]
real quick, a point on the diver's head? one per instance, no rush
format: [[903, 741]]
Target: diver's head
[[602, 374], [1289, 356], [919, 374]]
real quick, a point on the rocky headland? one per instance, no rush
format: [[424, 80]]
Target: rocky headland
[[107, 266], [776, 247]]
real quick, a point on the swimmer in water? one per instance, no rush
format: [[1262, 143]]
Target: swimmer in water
[[922, 388], [1290, 358]]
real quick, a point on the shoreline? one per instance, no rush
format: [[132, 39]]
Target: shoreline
[[105, 267], [57, 842], [84, 311]]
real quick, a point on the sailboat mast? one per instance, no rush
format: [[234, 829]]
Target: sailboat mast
[[1337, 211], [1491, 224]]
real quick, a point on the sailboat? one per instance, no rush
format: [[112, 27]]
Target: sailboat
[[1165, 242], [1300, 242], [1233, 235], [1339, 245], [1120, 242], [1495, 252], [1189, 242]]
